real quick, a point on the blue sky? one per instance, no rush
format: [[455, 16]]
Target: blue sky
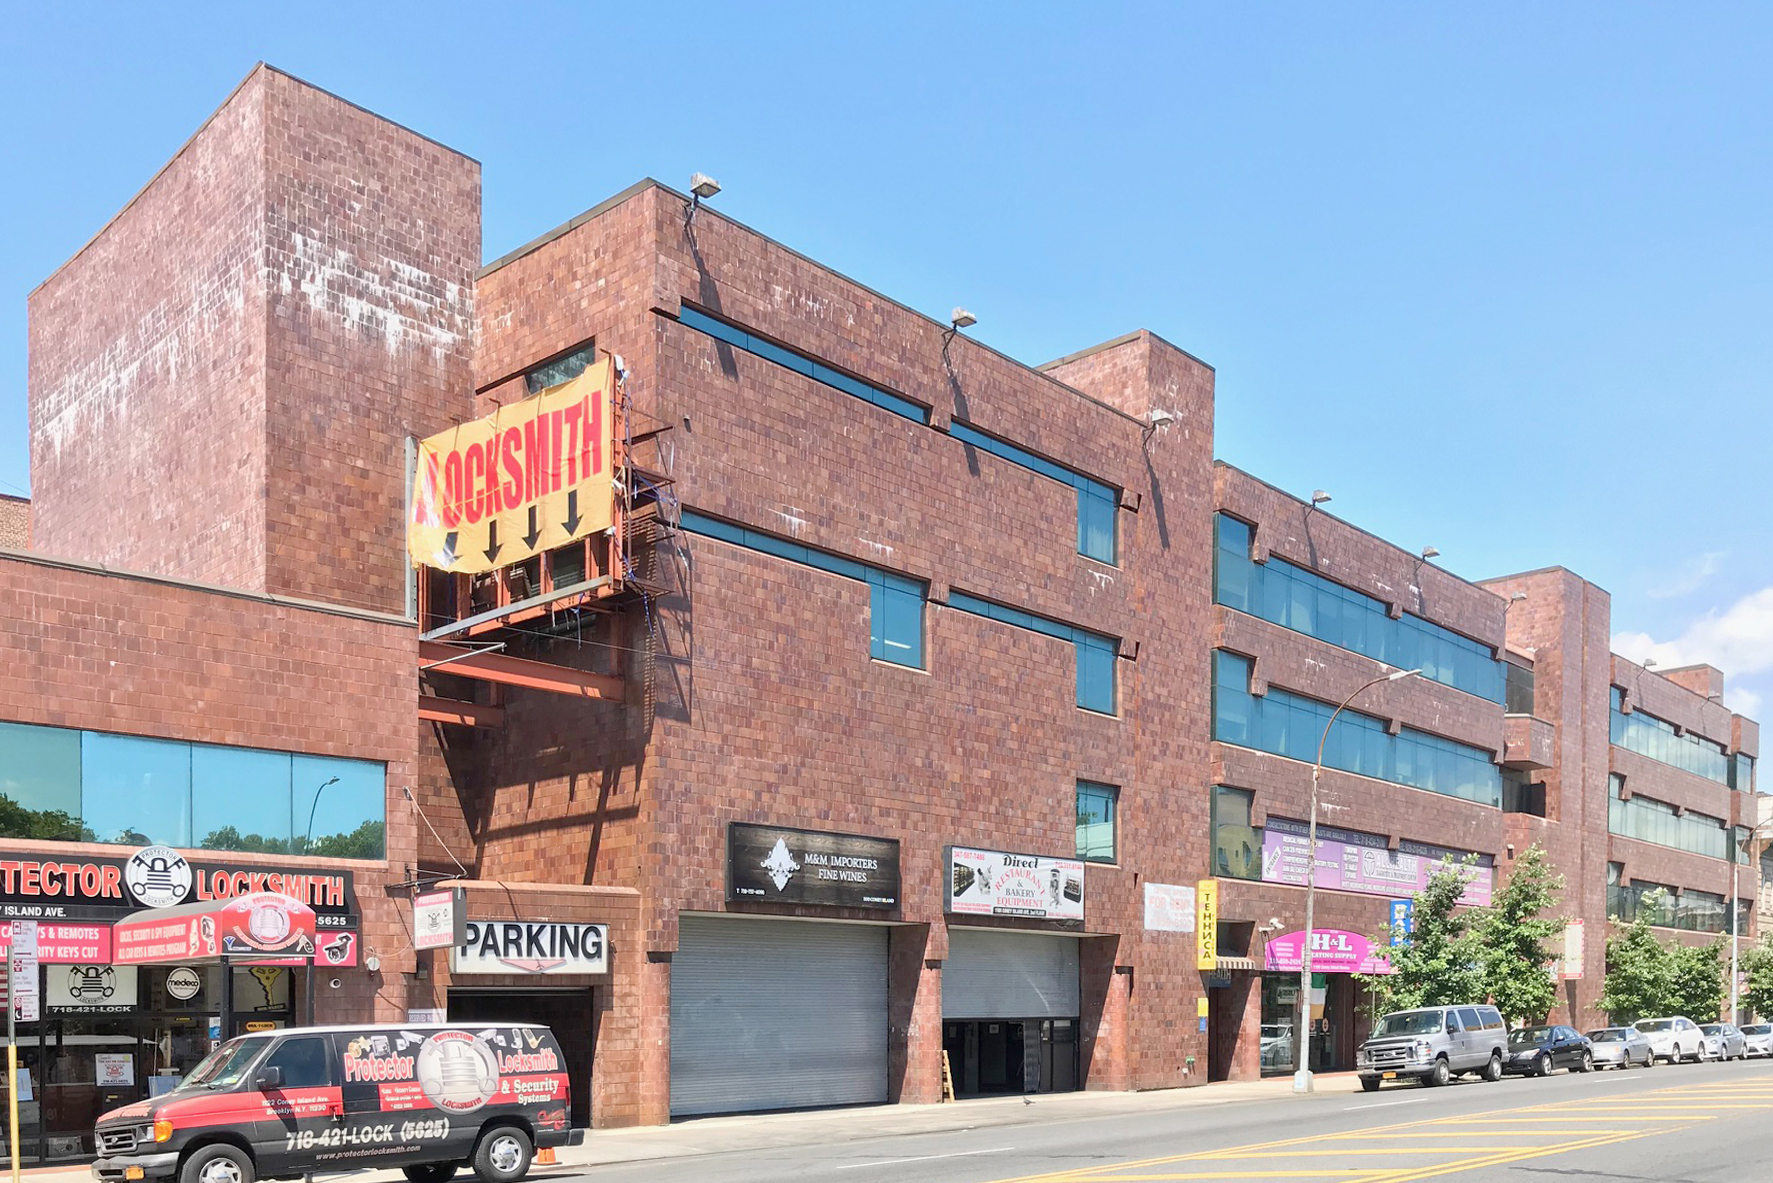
[[1497, 276]]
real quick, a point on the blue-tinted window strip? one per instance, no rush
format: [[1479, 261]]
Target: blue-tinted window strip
[[1291, 725], [895, 602], [1291, 596], [1647, 735], [801, 364], [1096, 654], [968, 434], [1028, 620]]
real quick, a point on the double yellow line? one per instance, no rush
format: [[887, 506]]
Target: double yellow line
[[1704, 1103]]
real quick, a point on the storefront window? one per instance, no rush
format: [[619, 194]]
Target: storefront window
[[91, 786], [136, 791], [40, 783], [338, 807], [239, 799]]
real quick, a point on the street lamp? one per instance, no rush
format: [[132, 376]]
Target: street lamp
[[1302, 1077], [308, 838], [1747, 846]]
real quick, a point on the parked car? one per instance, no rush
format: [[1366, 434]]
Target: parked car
[[1620, 1047], [1535, 1051], [1277, 1045], [1433, 1045], [427, 1098], [1674, 1039], [1723, 1041], [1757, 1039]]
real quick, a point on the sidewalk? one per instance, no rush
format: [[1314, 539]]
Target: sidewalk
[[768, 1131]]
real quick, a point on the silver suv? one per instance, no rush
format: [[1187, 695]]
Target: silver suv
[[1433, 1045]]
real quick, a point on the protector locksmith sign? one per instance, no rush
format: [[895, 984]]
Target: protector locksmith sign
[[773, 864]]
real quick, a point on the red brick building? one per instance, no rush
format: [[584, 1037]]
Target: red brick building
[[898, 731]]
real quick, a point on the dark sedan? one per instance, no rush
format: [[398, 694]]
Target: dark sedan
[[1535, 1051]]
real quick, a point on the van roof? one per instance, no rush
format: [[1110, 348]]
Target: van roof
[[341, 1028]]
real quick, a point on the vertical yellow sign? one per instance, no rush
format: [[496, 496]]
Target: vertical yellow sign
[[1206, 924]]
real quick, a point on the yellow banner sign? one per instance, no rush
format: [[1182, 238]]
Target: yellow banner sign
[[532, 476], [1206, 924]]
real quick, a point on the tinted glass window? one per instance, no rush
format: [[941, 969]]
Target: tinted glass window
[[1468, 1018], [1492, 1017], [304, 1061], [137, 790], [40, 782], [1096, 809]]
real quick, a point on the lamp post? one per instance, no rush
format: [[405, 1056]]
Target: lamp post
[[308, 838], [1302, 1077], [1747, 846]]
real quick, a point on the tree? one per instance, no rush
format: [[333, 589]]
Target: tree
[[1442, 963], [1696, 981], [1639, 972], [21, 821], [1757, 966], [1513, 933]]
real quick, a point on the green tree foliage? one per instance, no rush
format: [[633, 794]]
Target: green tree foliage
[[1640, 975], [1647, 978], [1443, 961], [1696, 981], [1514, 935], [19, 821], [366, 841], [1757, 964]]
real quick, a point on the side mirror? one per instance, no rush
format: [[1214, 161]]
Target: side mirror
[[1451, 1029], [270, 1078]]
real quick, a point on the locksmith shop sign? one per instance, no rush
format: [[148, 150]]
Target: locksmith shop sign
[[531, 947], [532, 476], [771, 864], [77, 899]]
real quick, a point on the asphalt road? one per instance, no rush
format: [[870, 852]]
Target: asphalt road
[[1670, 1124]]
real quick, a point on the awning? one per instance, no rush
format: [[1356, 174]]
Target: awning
[[250, 927], [1232, 964]]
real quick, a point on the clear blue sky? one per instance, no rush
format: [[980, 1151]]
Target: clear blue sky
[[1498, 276]]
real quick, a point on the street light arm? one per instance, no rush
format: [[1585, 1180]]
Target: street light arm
[[1302, 1077]]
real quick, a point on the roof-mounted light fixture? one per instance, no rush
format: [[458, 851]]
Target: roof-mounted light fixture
[[702, 187], [958, 319]]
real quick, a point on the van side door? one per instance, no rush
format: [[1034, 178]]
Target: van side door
[[1476, 1046], [299, 1089]]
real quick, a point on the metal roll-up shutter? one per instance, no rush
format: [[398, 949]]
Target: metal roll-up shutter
[[1009, 975], [777, 1014]]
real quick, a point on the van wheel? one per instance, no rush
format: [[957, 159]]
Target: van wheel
[[219, 1163], [431, 1172], [1493, 1070], [1438, 1075], [502, 1156]]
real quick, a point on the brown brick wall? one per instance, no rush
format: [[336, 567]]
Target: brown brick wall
[[86, 649], [371, 239], [146, 374]]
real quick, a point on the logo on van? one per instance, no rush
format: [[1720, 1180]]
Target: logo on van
[[457, 1071]]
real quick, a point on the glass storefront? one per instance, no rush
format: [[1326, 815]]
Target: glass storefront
[[111, 1035], [1331, 1012]]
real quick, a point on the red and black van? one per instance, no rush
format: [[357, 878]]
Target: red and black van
[[425, 1097]]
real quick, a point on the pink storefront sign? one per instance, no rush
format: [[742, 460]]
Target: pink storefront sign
[[1333, 952]]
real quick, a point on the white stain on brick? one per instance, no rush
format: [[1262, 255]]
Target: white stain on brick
[[1103, 580], [790, 518], [405, 306], [879, 548]]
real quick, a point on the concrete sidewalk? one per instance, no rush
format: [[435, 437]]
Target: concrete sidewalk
[[767, 1131]]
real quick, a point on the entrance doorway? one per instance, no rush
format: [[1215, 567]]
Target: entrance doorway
[[567, 1012], [990, 1057]]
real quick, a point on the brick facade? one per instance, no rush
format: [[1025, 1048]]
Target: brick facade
[[296, 294], [15, 523]]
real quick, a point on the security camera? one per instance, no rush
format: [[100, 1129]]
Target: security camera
[[1159, 418], [1274, 922]]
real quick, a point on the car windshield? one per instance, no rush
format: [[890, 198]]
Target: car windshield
[[1655, 1025], [1530, 1035], [1712, 1029], [1410, 1022], [1607, 1035], [1758, 1029], [224, 1067]]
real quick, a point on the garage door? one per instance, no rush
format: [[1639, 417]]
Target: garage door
[[1009, 975], [777, 1014]]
